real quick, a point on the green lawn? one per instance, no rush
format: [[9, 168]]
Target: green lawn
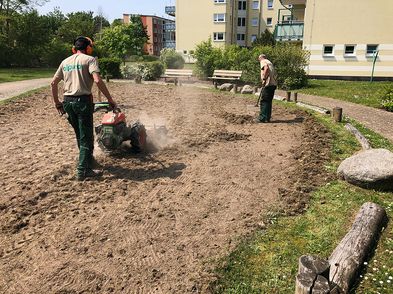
[[19, 74], [268, 261], [365, 93]]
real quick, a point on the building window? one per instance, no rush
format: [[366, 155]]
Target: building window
[[371, 49], [253, 38], [218, 37], [241, 21], [255, 4], [242, 5], [219, 1], [349, 50], [254, 22], [241, 37], [328, 50], [269, 22], [269, 4], [219, 17]]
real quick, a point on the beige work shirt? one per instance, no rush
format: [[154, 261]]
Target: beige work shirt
[[76, 72], [272, 78]]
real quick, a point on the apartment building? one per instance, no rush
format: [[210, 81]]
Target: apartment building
[[224, 21], [161, 32], [346, 38], [350, 38]]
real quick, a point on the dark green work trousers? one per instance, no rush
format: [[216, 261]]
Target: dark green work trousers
[[80, 116], [266, 103]]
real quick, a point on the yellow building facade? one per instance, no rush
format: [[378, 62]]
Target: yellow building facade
[[224, 21], [345, 38]]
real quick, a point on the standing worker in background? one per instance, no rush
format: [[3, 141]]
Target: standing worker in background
[[269, 85], [78, 72]]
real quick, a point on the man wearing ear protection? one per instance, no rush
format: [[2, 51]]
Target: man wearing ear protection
[[79, 72]]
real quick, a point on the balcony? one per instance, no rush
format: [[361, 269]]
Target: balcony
[[289, 31], [170, 10], [293, 2], [170, 44], [170, 27]]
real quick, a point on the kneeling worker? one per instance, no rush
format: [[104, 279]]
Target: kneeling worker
[[79, 72]]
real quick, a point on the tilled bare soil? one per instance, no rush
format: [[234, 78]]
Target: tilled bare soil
[[156, 222]]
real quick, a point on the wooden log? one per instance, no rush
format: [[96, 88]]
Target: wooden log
[[295, 97], [337, 114], [348, 257], [313, 275], [288, 96], [362, 139], [313, 107], [309, 283]]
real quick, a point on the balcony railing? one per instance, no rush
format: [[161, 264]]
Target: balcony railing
[[170, 10], [289, 31], [293, 2], [170, 44], [170, 27]]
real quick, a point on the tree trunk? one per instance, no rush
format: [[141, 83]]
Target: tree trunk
[[348, 257]]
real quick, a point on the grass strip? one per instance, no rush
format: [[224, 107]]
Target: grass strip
[[20, 74], [364, 93]]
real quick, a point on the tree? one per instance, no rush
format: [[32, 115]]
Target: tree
[[265, 39], [122, 40], [77, 24]]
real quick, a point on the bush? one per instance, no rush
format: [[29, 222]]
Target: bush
[[386, 96], [289, 61], [110, 66], [148, 71], [142, 58], [208, 59], [171, 59]]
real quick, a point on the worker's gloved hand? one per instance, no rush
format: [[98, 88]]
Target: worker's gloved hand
[[113, 106], [60, 108]]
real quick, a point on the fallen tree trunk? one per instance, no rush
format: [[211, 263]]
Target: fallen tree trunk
[[348, 257], [362, 140], [313, 107]]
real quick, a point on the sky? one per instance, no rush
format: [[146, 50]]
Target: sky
[[111, 9]]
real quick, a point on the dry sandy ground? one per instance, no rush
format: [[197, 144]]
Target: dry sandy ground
[[157, 222]]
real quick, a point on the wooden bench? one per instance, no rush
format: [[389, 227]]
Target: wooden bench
[[225, 75], [176, 74]]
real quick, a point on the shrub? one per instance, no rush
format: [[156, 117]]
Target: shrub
[[208, 59], [110, 66], [289, 61], [171, 59], [386, 96], [148, 71]]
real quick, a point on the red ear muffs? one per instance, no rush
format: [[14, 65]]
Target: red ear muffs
[[89, 49]]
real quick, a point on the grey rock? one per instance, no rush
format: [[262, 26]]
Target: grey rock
[[372, 169], [247, 89], [226, 87]]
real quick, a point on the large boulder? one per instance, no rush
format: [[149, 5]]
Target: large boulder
[[247, 89], [372, 169], [226, 87]]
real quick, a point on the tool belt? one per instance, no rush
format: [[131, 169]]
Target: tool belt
[[81, 98]]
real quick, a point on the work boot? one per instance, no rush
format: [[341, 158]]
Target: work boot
[[89, 174]]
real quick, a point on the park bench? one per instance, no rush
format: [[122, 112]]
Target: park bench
[[225, 75], [176, 74]]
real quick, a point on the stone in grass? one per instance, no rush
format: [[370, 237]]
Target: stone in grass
[[226, 87], [247, 89], [371, 169]]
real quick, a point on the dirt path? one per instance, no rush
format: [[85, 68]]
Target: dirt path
[[12, 89], [379, 120], [157, 222]]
